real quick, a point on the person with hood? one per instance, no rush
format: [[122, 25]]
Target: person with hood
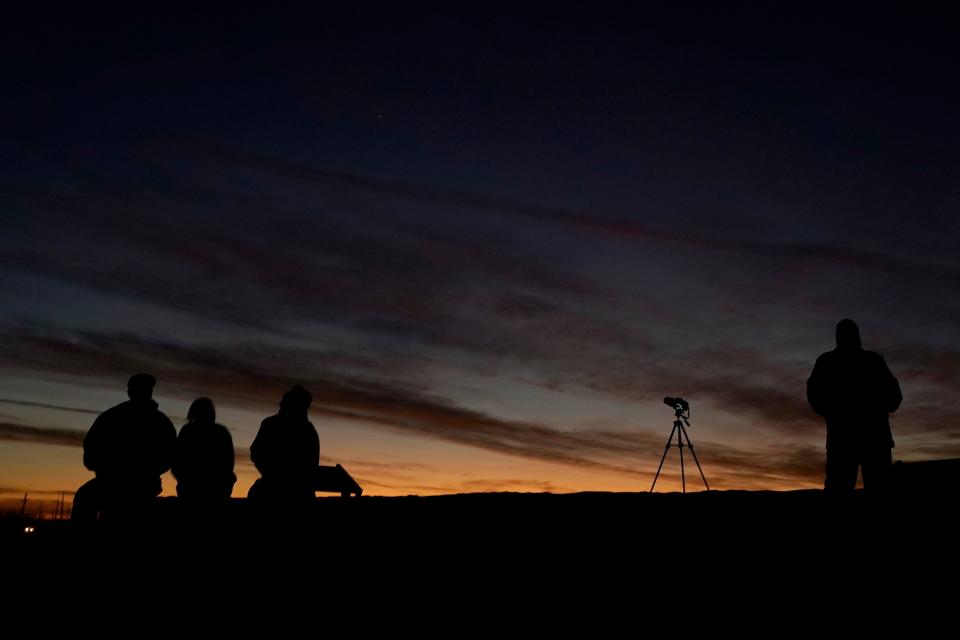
[[286, 452], [129, 447], [856, 392]]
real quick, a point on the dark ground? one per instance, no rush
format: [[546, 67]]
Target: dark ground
[[515, 530], [532, 557]]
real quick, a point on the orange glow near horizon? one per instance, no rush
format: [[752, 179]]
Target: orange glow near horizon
[[388, 462], [387, 477]]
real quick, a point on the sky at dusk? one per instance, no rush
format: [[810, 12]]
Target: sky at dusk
[[488, 238]]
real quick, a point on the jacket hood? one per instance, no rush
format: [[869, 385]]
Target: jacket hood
[[848, 335]]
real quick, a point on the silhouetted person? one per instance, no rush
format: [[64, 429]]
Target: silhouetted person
[[855, 391], [286, 452], [128, 447], [203, 463]]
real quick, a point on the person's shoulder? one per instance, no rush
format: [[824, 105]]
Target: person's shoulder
[[161, 418], [269, 421], [114, 412], [826, 357], [120, 407], [187, 430], [875, 359]]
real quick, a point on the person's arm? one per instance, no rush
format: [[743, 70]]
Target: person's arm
[[179, 452], [231, 455], [92, 447], [817, 393], [226, 458], [260, 448], [892, 393], [167, 445], [314, 445]]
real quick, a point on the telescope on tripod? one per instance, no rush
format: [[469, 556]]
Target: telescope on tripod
[[681, 410]]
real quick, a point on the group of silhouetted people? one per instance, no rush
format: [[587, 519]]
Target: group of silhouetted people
[[132, 444]]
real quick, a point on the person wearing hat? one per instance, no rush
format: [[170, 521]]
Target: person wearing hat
[[128, 447]]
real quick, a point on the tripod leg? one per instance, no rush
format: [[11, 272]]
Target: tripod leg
[[695, 459], [683, 474], [665, 449]]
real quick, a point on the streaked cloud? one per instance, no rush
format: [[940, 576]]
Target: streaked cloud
[[43, 435], [44, 405], [363, 289]]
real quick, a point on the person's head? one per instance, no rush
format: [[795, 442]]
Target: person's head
[[140, 386], [202, 410], [848, 335], [297, 400]]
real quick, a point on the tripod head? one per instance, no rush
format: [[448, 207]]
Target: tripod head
[[680, 406]]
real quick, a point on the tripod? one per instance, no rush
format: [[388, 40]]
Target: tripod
[[682, 409]]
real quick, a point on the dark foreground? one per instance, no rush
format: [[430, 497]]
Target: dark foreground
[[509, 531], [723, 559]]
